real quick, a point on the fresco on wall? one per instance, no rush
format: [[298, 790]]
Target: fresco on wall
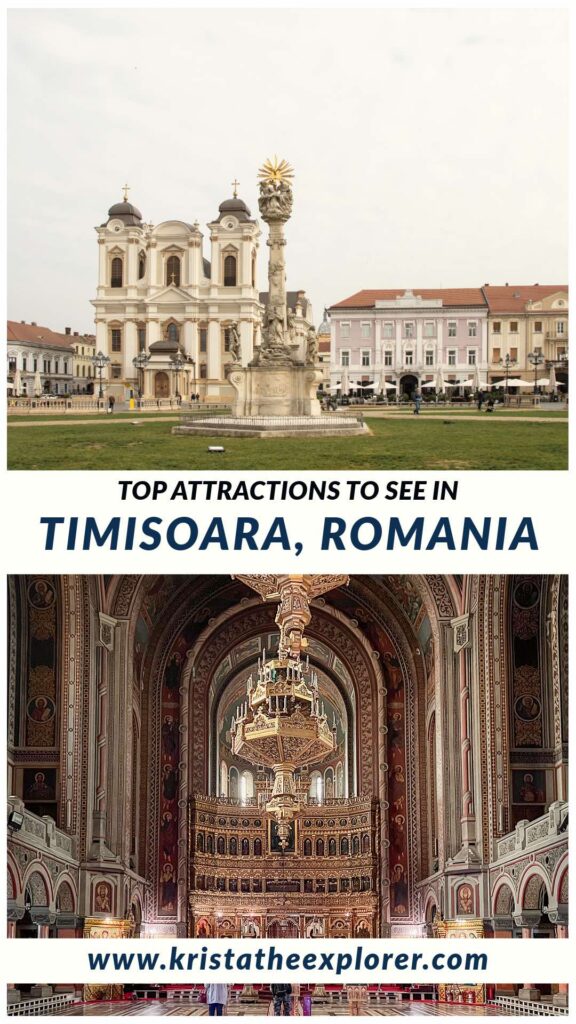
[[40, 707], [526, 669]]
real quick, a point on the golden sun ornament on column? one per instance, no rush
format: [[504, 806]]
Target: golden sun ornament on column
[[276, 170]]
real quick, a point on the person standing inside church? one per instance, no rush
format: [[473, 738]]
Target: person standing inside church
[[217, 998]]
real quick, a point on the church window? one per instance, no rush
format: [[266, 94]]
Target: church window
[[141, 337], [257, 847], [332, 847], [365, 843], [429, 357], [173, 333], [451, 328], [356, 846], [116, 339], [116, 371], [200, 842], [173, 270], [319, 847], [230, 271], [203, 371], [116, 275], [221, 845], [332, 885], [203, 339], [344, 846], [307, 847], [233, 846], [245, 848], [345, 357], [209, 843], [141, 265]]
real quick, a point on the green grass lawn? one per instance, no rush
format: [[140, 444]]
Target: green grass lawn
[[418, 443]]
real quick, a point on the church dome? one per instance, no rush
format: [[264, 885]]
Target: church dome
[[125, 212], [237, 207]]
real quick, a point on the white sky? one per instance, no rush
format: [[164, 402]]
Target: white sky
[[430, 146]]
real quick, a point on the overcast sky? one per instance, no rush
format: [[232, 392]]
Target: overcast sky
[[430, 146]]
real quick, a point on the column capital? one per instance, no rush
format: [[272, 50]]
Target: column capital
[[460, 632], [106, 633]]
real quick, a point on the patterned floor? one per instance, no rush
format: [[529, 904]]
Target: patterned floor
[[154, 1008]]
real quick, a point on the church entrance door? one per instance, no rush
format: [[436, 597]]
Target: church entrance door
[[284, 929], [161, 385]]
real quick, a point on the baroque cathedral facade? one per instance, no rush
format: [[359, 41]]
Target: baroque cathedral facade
[[140, 804], [166, 315]]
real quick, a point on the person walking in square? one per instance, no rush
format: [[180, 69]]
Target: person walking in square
[[281, 995], [417, 401]]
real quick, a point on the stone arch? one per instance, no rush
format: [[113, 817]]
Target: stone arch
[[503, 898], [37, 884], [560, 881], [532, 885], [65, 897]]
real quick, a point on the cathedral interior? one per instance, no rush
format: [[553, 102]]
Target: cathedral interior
[[285, 756]]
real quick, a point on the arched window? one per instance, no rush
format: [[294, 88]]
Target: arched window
[[257, 847], [246, 786], [209, 843], [253, 269], [233, 847], [223, 778], [200, 842], [245, 848], [141, 265], [356, 845], [316, 787], [116, 274], [319, 847], [365, 843], [307, 847], [173, 270], [229, 271], [173, 333], [332, 847], [221, 845], [233, 783], [344, 846]]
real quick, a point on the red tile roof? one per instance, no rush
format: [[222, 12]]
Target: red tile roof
[[36, 334], [450, 296], [512, 298]]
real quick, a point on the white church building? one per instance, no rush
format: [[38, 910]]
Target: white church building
[[163, 311]]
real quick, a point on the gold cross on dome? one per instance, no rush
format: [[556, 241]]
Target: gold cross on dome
[[235, 184], [126, 189]]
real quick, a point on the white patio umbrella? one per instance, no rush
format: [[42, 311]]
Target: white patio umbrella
[[440, 386], [466, 383], [517, 382], [390, 386], [345, 386], [429, 384], [543, 382], [37, 384], [17, 382], [476, 383]]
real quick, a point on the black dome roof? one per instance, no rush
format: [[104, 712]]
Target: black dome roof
[[235, 206], [125, 212]]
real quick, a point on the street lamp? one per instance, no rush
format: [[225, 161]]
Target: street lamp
[[507, 363], [100, 361], [176, 362], [536, 358], [140, 362]]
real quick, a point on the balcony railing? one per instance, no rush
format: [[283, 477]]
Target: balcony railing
[[531, 835]]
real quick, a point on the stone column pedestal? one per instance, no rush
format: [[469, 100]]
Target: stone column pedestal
[[275, 390]]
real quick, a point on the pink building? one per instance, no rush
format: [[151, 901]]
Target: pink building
[[410, 339]]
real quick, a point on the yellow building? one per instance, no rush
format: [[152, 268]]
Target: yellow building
[[84, 346], [525, 320]]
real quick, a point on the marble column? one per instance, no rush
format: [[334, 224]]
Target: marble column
[[214, 351]]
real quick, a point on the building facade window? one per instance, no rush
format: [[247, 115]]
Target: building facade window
[[514, 355], [24, 363], [537, 327], [409, 329], [141, 337], [496, 327], [46, 366], [173, 334], [203, 339], [429, 329], [561, 327], [451, 328], [141, 265], [344, 329], [116, 371], [471, 357], [365, 357], [388, 329], [513, 327], [409, 357], [388, 357], [116, 272], [472, 328], [173, 270], [116, 339], [345, 358], [366, 330], [496, 355], [451, 357], [203, 371], [429, 357], [230, 272]]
